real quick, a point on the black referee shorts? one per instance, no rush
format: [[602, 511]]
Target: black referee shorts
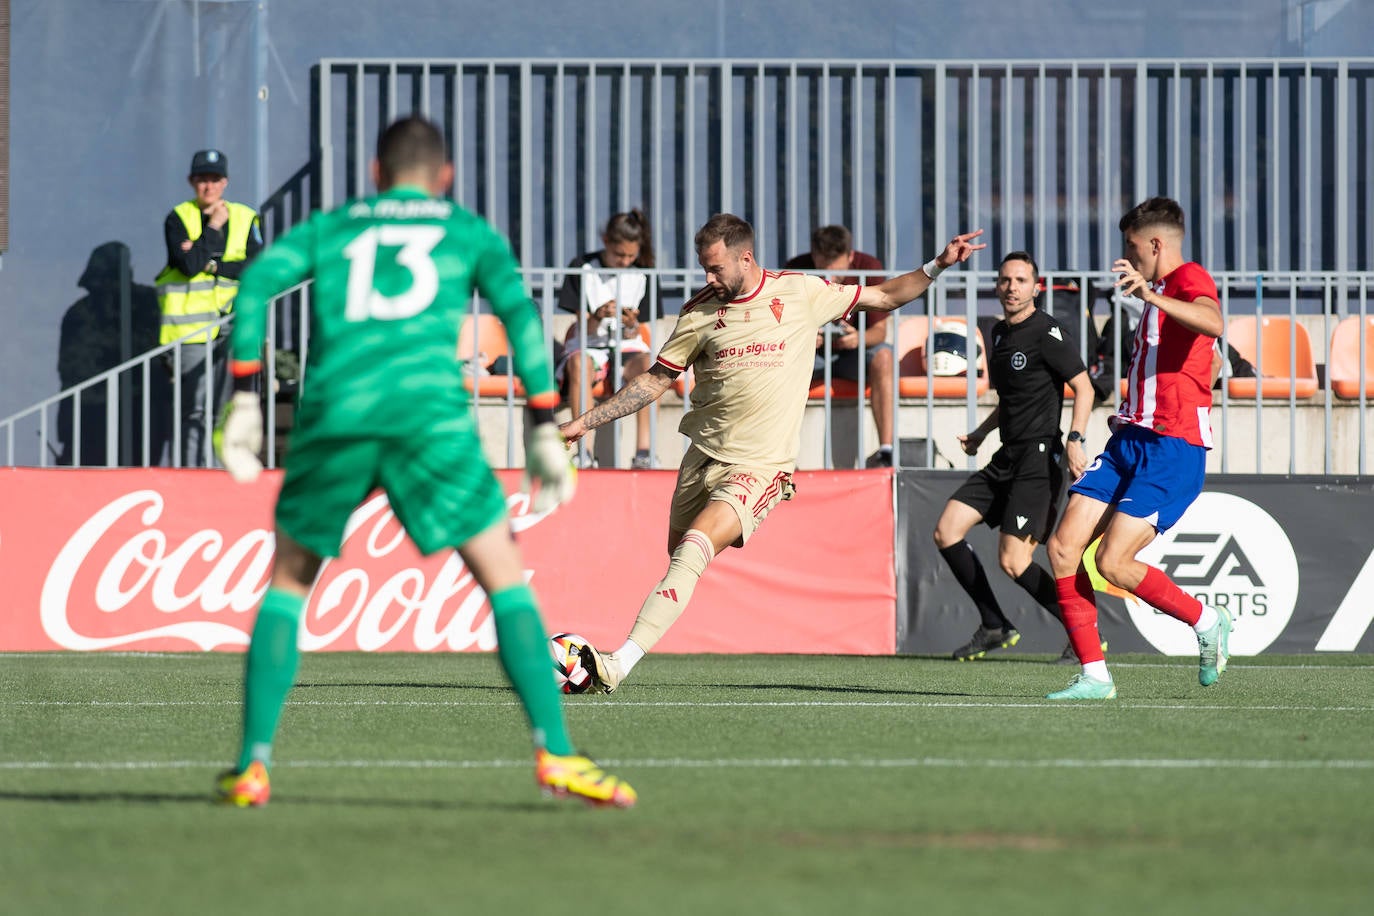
[[1019, 490]]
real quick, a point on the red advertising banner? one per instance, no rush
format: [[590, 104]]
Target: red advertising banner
[[177, 560]]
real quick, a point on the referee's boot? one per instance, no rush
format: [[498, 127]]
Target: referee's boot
[[985, 640]]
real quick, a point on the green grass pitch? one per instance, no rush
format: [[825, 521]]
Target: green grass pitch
[[768, 784]]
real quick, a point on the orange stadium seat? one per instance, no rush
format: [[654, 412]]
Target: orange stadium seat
[[1344, 359], [912, 332], [841, 389], [1287, 368], [486, 337]]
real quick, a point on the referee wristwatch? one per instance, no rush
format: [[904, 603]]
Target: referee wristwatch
[[1075, 436]]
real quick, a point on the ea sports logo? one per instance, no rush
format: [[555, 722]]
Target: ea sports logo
[[1230, 553]]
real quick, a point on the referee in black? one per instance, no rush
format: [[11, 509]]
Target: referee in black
[[1031, 359]]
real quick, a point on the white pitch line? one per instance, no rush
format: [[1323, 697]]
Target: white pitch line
[[1093, 704], [1237, 664], [739, 764], [703, 704], [68, 655]]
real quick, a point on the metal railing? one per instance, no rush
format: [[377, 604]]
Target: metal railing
[[1272, 159], [138, 428], [1243, 427], [105, 400]]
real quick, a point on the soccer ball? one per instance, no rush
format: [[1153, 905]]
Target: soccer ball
[[568, 671]]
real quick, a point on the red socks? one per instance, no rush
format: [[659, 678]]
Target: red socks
[[1080, 610], [1160, 591], [1080, 615]]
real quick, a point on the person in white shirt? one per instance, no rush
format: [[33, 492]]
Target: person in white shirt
[[614, 301]]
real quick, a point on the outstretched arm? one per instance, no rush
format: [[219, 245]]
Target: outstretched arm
[[898, 291], [638, 393]]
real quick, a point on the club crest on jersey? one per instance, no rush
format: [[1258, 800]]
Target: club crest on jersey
[[776, 307], [720, 319]]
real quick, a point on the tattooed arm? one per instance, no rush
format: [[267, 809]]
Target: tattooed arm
[[638, 393]]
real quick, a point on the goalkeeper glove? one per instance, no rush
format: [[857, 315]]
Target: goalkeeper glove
[[238, 438], [547, 461]]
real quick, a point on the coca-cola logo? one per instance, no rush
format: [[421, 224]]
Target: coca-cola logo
[[123, 565]]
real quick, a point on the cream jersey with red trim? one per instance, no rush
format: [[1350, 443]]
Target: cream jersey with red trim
[[752, 360]]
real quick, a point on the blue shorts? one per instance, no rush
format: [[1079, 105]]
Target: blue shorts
[[1145, 475]]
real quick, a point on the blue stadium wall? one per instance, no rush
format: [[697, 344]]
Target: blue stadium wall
[[110, 97]]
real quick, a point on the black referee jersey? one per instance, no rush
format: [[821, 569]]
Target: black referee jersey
[[1029, 364]]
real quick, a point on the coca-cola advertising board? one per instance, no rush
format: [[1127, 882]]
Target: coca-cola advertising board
[[177, 560]]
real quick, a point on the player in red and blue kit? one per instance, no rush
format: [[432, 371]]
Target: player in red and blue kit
[[1153, 465]]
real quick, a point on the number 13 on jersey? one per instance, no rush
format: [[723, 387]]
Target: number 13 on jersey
[[415, 243]]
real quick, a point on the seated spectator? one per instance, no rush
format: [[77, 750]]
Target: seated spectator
[[832, 250], [614, 304]]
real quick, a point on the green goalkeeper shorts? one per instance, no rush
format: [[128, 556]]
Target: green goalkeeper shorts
[[439, 485]]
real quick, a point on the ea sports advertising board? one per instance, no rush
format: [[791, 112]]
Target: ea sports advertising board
[[1292, 559]]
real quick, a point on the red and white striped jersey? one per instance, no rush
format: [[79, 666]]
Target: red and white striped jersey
[[1169, 383]]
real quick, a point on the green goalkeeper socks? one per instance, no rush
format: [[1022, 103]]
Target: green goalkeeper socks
[[273, 657], [523, 647]]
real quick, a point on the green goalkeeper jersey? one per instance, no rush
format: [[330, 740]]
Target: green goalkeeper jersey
[[393, 278]]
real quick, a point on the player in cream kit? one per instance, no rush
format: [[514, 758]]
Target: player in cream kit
[[749, 336]]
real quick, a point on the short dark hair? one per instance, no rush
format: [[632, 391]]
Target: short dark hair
[[409, 143], [1157, 211], [831, 241], [1021, 256], [632, 226], [728, 228]]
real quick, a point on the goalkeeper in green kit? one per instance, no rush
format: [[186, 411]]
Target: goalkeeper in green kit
[[383, 405]]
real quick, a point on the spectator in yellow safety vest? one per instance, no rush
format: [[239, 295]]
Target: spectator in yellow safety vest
[[209, 242]]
